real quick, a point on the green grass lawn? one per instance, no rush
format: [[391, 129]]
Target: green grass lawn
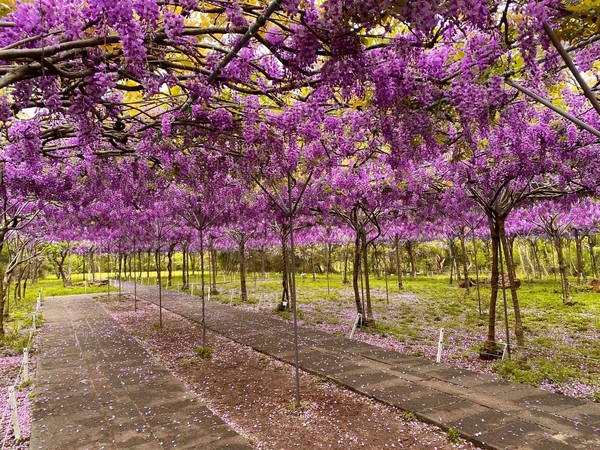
[[18, 324], [562, 341]]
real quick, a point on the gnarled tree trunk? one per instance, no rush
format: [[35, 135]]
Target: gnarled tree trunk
[[510, 269], [398, 262], [365, 258], [355, 275]]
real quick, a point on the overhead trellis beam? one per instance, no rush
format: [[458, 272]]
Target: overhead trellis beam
[[569, 62], [556, 109], [258, 24]]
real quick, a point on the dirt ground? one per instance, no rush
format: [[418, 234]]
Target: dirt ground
[[255, 394]]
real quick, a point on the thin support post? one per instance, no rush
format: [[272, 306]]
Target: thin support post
[[500, 249], [293, 291], [554, 108]]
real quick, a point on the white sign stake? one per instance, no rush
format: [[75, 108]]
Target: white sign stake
[[25, 365], [209, 295], [12, 400], [38, 304], [356, 322], [504, 351], [440, 345]]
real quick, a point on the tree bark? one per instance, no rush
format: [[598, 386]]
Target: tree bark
[[510, 269], [398, 262], [532, 267], [184, 280], [452, 260], [355, 274], [541, 269], [490, 343], [70, 268], [328, 265], [346, 254], [170, 251], [92, 265], [139, 252], [213, 262], [464, 262], [193, 263], [3, 301], [562, 268], [159, 277], [17, 292], [120, 268], [25, 278], [579, 251], [365, 255], [148, 266], [285, 294], [202, 288], [59, 261], [409, 245], [242, 256], [7, 280], [591, 245]]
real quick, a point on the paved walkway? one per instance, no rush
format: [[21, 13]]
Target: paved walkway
[[96, 388], [495, 414]]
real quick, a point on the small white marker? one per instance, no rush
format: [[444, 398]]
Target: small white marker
[[440, 346], [356, 322], [12, 400]]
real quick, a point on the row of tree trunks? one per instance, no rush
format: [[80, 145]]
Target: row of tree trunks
[[531, 264]]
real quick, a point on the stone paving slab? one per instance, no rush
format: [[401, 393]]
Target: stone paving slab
[[96, 387], [493, 413]]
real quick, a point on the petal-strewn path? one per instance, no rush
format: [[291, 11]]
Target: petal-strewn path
[[96, 387], [493, 413]]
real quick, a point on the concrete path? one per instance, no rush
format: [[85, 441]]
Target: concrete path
[[495, 414], [97, 388]]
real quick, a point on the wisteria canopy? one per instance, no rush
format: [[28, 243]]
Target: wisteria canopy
[[145, 123]]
